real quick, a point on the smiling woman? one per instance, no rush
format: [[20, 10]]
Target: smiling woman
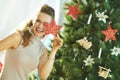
[[26, 11], [25, 51]]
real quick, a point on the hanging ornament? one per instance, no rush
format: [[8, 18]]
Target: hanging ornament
[[109, 33], [74, 11], [84, 42], [1, 65], [52, 28], [103, 72]]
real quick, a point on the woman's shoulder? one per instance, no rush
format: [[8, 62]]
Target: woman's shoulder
[[17, 36]]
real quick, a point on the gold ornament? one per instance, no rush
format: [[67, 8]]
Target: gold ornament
[[84, 42], [103, 72]]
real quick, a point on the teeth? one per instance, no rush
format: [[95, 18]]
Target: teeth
[[37, 30]]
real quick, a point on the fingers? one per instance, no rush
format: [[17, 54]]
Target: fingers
[[58, 41]]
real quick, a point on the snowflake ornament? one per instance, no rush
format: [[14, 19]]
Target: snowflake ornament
[[89, 61], [115, 51], [101, 16]]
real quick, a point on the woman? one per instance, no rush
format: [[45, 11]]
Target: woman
[[25, 52]]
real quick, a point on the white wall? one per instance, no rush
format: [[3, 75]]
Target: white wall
[[13, 12]]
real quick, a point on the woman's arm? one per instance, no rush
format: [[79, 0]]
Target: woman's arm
[[12, 41], [46, 62]]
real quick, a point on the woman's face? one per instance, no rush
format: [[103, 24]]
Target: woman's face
[[39, 26]]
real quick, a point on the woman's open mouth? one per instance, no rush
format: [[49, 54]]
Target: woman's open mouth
[[38, 30]]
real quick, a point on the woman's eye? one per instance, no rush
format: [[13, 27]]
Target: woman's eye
[[38, 21], [45, 23]]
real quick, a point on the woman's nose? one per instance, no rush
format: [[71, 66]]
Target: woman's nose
[[41, 26]]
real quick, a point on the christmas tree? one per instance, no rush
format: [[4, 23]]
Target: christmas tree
[[91, 42]]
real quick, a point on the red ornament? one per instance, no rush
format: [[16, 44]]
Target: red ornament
[[52, 28], [1, 65], [109, 33], [74, 11]]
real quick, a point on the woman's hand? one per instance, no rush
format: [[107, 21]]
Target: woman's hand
[[57, 43]]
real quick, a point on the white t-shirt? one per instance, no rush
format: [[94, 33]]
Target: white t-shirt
[[21, 61]]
